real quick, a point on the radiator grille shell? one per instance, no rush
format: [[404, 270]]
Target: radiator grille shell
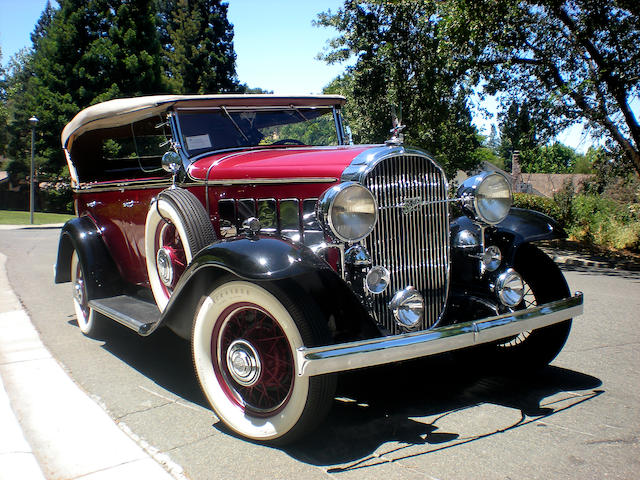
[[411, 237]]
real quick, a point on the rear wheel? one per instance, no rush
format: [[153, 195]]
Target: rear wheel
[[244, 342], [543, 282], [88, 319]]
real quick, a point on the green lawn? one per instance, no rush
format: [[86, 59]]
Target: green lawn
[[8, 217]]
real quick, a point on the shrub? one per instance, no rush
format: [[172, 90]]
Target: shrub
[[540, 204], [591, 219], [57, 198]]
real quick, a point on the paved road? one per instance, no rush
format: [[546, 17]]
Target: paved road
[[579, 418]]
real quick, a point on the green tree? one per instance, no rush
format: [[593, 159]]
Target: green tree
[[493, 141], [583, 164], [83, 53], [573, 60], [555, 158], [198, 44], [18, 110], [517, 131], [399, 63]]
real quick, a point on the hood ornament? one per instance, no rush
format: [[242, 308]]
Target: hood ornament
[[397, 137]]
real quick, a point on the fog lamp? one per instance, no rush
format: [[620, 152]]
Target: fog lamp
[[377, 280], [510, 288], [491, 259], [408, 307]]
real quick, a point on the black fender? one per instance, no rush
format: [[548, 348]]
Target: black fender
[[101, 274], [520, 227], [264, 259], [530, 226]]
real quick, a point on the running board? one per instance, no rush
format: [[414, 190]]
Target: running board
[[139, 315]]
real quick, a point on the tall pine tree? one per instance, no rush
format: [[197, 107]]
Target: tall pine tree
[[87, 52], [198, 40], [83, 53]]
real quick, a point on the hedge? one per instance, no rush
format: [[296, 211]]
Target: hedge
[[590, 219]]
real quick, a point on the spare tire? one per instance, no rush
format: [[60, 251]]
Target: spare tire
[[177, 227]]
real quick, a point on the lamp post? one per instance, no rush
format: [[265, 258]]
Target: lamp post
[[33, 121]]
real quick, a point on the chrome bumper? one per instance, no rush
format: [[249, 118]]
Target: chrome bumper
[[378, 351]]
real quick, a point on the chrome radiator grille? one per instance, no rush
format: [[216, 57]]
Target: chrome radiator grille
[[411, 238]]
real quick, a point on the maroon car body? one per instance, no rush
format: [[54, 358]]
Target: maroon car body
[[250, 226]]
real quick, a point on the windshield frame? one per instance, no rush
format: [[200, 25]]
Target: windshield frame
[[179, 142]]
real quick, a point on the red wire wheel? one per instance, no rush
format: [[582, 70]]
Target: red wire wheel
[[252, 359], [244, 342]]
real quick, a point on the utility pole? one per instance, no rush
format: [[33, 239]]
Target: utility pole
[[33, 121]]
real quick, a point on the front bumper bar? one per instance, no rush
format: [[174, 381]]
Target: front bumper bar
[[378, 351]]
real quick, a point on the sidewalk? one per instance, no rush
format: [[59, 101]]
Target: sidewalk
[[50, 427]]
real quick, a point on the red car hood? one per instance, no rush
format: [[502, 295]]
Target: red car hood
[[270, 163]]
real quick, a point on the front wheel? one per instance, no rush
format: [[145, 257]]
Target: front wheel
[[244, 342], [543, 282]]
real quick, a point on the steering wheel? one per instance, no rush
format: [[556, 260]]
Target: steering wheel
[[291, 141]]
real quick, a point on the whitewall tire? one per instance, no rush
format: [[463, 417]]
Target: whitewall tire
[[244, 342], [88, 319], [178, 225]]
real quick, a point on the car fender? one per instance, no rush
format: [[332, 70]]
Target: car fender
[[259, 259], [101, 274], [523, 225], [530, 226], [519, 227]]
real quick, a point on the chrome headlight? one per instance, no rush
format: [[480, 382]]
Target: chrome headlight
[[349, 211], [486, 197]]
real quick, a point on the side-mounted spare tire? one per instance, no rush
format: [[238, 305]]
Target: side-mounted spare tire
[[177, 227]]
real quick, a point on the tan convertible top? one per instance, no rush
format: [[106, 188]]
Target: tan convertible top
[[123, 111]]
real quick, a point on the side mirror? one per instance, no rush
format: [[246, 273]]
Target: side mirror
[[171, 162]]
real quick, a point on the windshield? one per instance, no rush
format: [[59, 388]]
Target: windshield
[[222, 128]]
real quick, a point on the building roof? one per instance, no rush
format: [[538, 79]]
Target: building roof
[[548, 184], [123, 111]]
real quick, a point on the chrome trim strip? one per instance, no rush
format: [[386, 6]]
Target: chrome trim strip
[[122, 185], [264, 181], [379, 351], [366, 161]]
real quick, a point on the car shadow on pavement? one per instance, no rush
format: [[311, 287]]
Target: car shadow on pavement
[[383, 405], [402, 405], [162, 357]]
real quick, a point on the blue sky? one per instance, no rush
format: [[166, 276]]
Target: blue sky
[[275, 44]]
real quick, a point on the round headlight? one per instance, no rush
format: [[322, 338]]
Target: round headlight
[[486, 197], [349, 210]]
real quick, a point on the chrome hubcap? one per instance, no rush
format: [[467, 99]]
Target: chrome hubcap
[[165, 266], [243, 363], [78, 291]]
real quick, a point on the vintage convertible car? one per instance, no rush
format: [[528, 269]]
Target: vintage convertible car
[[250, 226]]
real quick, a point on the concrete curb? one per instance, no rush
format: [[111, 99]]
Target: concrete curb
[[27, 227], [561, 257], [55, 429]]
